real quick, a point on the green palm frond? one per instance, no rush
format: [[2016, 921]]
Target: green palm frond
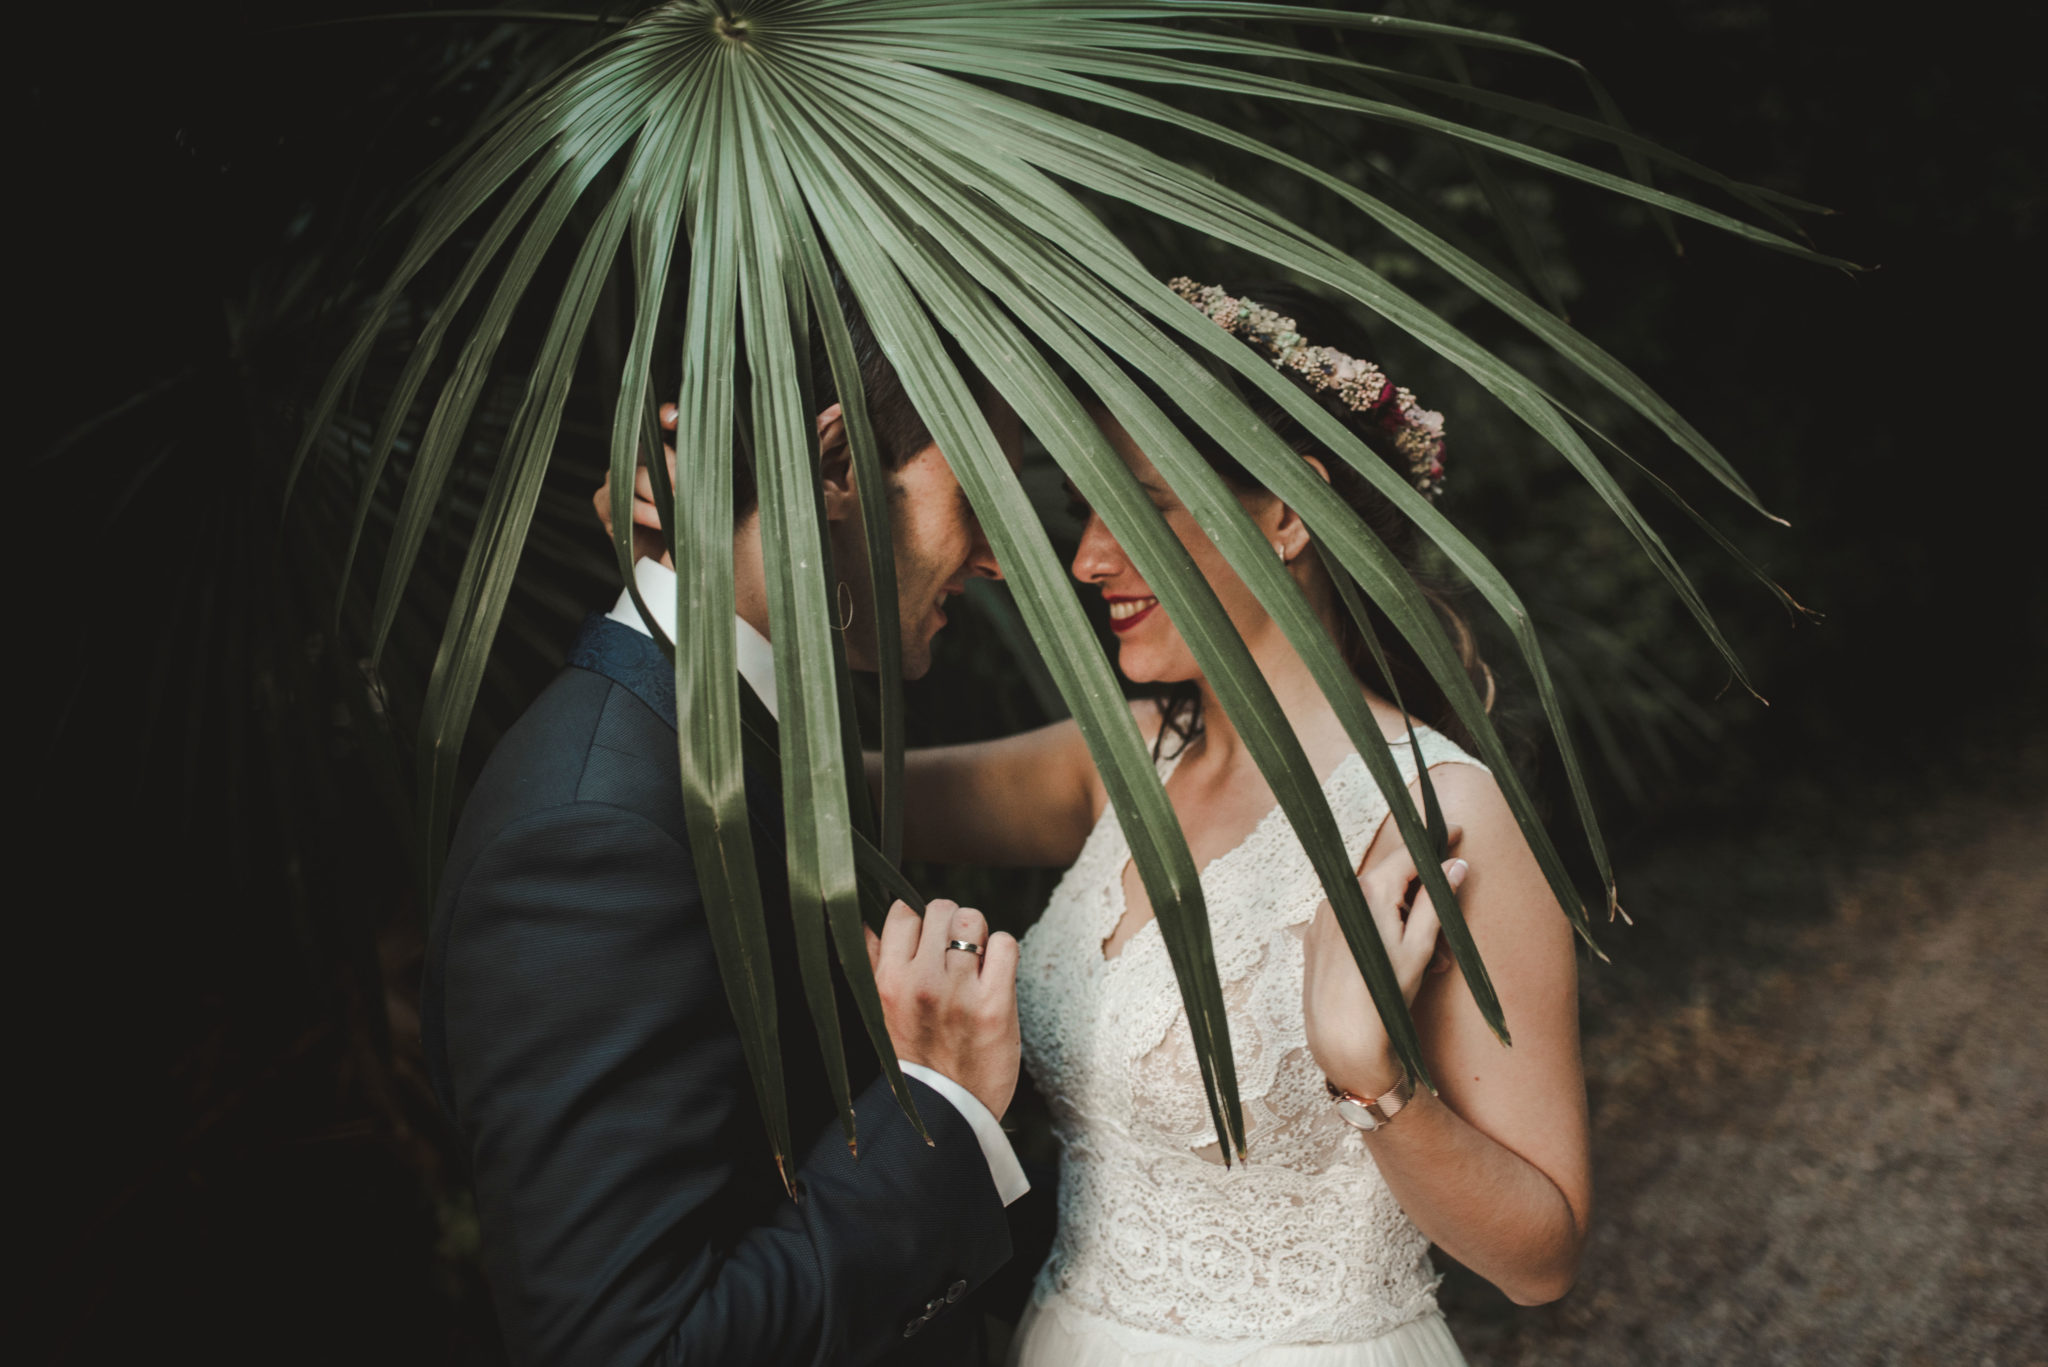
[[724, 160]]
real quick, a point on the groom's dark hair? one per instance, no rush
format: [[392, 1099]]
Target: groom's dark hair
[[900, 431]]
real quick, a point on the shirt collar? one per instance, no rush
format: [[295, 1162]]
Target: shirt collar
[[657, 585]]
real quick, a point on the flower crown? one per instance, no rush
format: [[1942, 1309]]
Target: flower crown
[[1417, 432]]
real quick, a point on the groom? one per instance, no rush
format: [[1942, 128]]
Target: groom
[[577, 1033]]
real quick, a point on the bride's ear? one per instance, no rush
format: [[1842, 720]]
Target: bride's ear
[[835, 465], [1290, 533]]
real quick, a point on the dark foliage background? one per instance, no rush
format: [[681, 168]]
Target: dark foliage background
[[230, 1145]]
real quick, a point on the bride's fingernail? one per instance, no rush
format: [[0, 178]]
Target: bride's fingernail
[[1455, 874]]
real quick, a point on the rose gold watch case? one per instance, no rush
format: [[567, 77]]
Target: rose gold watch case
[[1370, 1113]]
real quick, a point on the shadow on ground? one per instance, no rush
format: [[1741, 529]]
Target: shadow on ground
[[1824, 1144]]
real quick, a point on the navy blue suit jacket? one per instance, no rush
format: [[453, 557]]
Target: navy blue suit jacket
[[578, 1035]]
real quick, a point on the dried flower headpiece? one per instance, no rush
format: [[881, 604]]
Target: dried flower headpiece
[[1417, 432]]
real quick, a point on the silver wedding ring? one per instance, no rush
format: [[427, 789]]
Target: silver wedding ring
[[968, 945]]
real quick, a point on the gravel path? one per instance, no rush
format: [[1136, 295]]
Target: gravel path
[[1849, 1164]]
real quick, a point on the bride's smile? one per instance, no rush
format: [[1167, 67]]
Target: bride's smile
[[1125, 613]]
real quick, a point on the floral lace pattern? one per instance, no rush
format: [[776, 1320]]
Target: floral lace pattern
[[1305, 1243]]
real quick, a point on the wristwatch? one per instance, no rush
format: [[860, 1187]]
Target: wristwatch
[[1371, 1113]]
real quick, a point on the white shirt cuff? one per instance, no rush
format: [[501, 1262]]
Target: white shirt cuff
[[995, 1145]]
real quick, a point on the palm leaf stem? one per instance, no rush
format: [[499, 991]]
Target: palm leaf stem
[[657, 220], [871, 483], [488, 571], [706, 663], [796, 609], [815, 769]]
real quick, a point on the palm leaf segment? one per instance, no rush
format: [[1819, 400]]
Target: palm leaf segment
[[762, 138]]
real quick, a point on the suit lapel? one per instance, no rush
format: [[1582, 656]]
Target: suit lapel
[[636, 663]]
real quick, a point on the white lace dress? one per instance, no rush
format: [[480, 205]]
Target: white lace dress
[[1164, 1257]]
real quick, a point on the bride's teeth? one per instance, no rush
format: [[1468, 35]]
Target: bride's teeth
[[1129, 608]]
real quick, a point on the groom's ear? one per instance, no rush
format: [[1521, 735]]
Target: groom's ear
[[835, 465]]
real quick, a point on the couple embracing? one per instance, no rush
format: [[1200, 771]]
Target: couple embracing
[[578, 1035]]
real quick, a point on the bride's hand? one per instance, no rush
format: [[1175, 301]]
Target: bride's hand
[[1344, 1030], [647, 542]]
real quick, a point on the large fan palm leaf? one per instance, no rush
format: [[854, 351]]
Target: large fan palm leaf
[[727, 159]]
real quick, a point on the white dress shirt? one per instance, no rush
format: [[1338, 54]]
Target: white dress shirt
[[657, 584]]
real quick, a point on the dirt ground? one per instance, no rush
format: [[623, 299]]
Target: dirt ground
[[1845, 1160]]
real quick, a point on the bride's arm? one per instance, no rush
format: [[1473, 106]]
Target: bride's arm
[[1028, 799], [1495, 1168], [1020, 800]]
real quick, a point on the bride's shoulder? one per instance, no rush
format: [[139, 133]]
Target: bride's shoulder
[[1437, 752], [1465, 788], [1507, 886]]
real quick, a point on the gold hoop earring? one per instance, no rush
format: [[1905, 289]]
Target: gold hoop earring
[[844, 597]]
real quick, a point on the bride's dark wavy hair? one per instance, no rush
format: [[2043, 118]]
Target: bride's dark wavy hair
[[1180, 704]]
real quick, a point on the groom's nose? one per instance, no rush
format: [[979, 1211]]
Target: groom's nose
[[981, 559]]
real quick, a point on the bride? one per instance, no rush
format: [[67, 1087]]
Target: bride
[[1315, 1252]]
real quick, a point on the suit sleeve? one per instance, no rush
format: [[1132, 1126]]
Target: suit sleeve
[[600, 1084]]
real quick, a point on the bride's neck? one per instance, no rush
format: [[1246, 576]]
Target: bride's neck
[[1314, 721]]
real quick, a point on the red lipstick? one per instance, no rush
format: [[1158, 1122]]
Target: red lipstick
[[1127, 610]]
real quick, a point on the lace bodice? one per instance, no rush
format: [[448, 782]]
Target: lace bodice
[[1305, 1243]]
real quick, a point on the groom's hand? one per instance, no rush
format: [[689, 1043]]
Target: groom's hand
[[949, 1009]]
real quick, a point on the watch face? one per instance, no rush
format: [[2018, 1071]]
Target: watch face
[[1357, 1114]]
